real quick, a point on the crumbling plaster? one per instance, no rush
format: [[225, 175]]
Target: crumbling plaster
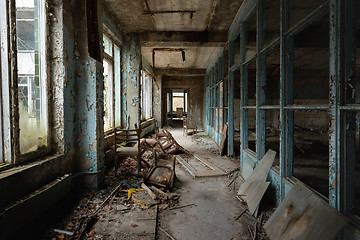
[[131, 73]]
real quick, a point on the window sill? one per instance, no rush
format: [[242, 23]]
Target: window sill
[[109, 132], [18, 181], [13, 169], [5, 166]]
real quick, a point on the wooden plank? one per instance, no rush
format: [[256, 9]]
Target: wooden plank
[[260, 173], [249, 161], [201, 173], [207, 163], [210, 173], [244, 188], [223, 139], [147, 189], [255, 194], [304, 215], [190, 169]]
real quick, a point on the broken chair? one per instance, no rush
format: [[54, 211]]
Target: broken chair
[[163, 172], [127, 144], [187, 128], [167, 143]]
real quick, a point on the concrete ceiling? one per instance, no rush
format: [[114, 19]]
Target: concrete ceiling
[[195, 57], [199, 27]]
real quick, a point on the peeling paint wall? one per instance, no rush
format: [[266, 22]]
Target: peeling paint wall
[[195, 85], [157, 99], [56, 46], [76, 107], [83, 93], [131, 67]]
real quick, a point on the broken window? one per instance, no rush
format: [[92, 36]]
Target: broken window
[[311, 149], [311, 64], [32, 79], [5, 129], [3, 74], [108, 46], [146, 95], [272, 133]]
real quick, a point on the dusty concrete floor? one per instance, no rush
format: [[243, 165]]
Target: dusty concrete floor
[[216, 206]]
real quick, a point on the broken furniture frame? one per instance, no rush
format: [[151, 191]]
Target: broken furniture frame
[[186, 126], [167, 143], [124, 137], [162, 173]]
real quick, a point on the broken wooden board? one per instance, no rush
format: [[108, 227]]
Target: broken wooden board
[[260, 172], [249, 163], [255, 195], [212, 172], [304, 215], [223, 139]]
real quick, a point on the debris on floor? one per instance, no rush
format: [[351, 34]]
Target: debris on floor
[[129, 207], [203, 140], [162, 173], [198, 167], [123, 210]]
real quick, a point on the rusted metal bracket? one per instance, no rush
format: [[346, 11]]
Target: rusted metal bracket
[[169, 11]]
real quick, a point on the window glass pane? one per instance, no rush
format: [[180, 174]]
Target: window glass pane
[[117, 84], [2, 160], [5, 132], [32, 87], [146, 95], [108, 95], [186, 103], [143, 95], [149, 97], [107, 45]]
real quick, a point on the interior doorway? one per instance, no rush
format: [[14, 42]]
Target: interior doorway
[[177, 106]]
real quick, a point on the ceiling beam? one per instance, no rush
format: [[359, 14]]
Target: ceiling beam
[[180, 72], [182, 39]]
